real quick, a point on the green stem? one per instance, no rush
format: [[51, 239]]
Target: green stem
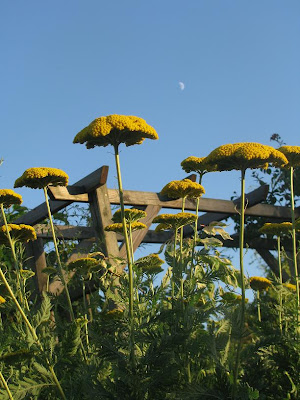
[[6, 386], [85, 315], [127, 244], [294, 245], [258, 306], [280, 279], [32, 330], [20, 287], [243, 302], [117, 158], [58, 256]]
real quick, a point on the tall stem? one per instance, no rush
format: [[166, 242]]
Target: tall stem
[[242, 315], [258, 306], [127, 244], [58, 256], [280, 279], [129, 260], [294, 245], [6, 386]]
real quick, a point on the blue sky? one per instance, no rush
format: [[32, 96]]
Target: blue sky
[[65, 63]]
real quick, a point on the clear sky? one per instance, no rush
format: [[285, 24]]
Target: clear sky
[[65, 63]]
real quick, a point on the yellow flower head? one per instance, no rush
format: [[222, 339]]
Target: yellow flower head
[[38, 178], [150, 264], [196, 164], [259, 283], [21, 232], [292, 153], [9, 197], [174, 221], [118, 227], [2, 300], [115, 129], [290, 286], [277, 229], [232, 298], [87, 265], [241, 156], [131, 215], [183, 188]]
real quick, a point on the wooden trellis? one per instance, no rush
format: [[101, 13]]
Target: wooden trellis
[[92, 189]]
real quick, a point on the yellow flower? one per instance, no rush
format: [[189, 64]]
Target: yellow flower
[[115, 129], [9, 197], [241, 156], [292, 153], [276, 229], [259, 283], [2, 300], [38, 178], [290, 286], [229, 298], [20, 232], [86, 265], [131, 215], [174, 221], [150, 264], [118, 227], [183, 188], [196, 164]]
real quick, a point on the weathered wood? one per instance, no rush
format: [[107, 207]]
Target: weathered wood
[[36, 259], [90, 182], [138, 236], [138, 198], [67, 232], [101, 217]]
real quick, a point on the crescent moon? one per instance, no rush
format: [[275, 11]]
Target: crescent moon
[[181, 85]]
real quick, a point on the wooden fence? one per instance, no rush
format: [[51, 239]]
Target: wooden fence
[[93, 190]]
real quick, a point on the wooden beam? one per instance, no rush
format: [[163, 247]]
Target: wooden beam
[[67, 232], [138, 198], [89, 182]]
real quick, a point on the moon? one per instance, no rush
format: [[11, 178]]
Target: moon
[[181, 85]]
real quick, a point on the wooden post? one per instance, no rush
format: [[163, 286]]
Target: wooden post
[[37, 261], [101, 217]]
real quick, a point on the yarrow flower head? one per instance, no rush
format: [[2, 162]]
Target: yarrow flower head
[[292, 153], [290, 286], [150, 264], [21, 232], [131, 215], [115, 129], [39, 178], [118, 227], [241, 156], [183, 188], [87, 265], [259, 283], [9, 197], [196, 164], [174, 221], [277, 229], [232, 298]]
